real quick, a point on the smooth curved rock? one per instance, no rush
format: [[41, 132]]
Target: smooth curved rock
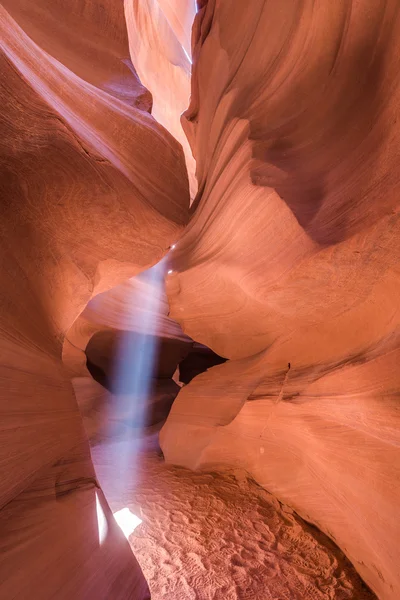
[[76, 168], [89, 38], [127, 307], [290, 265], [161, 55]]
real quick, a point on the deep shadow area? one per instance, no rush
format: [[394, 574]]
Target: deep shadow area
[[173, 362], [102, 356], [199, 359]]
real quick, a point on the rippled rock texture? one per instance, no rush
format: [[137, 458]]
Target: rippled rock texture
[[289, 268], [290, 264], [77, 152]]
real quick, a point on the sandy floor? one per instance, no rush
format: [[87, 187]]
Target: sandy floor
[[218, 536]]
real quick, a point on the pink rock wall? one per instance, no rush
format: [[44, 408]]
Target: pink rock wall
[[290, 264], [76, 168], [159, 44]]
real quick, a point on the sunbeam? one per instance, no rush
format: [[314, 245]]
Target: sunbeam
[[101, 521], [132, 378]]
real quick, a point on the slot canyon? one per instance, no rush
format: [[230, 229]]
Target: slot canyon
[[200, 300]]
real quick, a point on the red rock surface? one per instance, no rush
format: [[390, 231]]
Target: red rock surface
[[290, 264], [289, 268], [76, 157], [159, 44]]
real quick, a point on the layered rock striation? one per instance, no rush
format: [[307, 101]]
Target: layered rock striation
[[77, 151], [290, 264]]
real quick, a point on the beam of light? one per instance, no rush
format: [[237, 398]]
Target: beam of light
[[186, 54], [127, 521], [133, 376], [101, 521]]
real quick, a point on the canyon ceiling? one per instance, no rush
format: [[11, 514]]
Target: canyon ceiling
[[278, 187]]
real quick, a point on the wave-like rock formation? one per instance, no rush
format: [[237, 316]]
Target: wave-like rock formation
[[77, 152], [129, 307], [159, 44], [290, 265], [289, 268]]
